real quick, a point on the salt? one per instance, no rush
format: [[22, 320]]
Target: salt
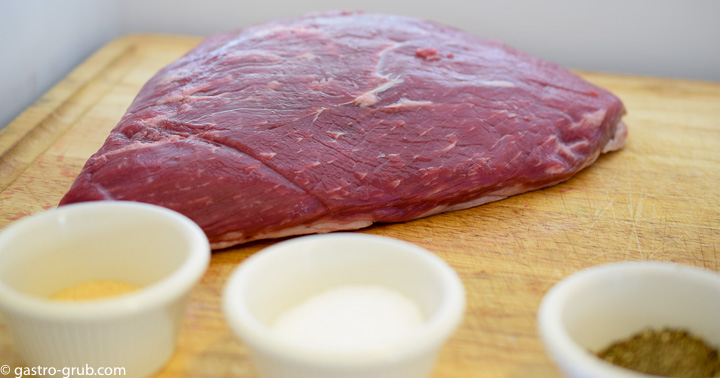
[[350, 318]]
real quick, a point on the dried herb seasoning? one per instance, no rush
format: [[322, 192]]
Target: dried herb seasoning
[[668, 352]]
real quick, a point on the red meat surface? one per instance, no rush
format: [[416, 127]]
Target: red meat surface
[[338, 120]]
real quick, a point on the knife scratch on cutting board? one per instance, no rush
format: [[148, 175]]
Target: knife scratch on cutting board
[[31, 193], [566, 232], [634, 215], [610, 203], [652, 231]]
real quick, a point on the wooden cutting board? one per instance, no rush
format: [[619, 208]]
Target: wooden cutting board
[[658, 199]]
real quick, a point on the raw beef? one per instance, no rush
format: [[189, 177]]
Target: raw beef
[[334, 121]]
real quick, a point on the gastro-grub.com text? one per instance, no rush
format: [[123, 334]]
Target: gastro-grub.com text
[[68, 371]]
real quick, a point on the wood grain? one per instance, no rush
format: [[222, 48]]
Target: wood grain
[[658, 199]]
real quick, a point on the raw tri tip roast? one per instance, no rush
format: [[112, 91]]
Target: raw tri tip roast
[[338, 120]]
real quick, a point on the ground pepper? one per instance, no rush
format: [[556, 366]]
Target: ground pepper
[[668, 352]]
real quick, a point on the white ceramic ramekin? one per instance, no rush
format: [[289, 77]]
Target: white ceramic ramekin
[[158, 249], [597, 306], [280, 276]]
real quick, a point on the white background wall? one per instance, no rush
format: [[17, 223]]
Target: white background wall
[[43, 40]]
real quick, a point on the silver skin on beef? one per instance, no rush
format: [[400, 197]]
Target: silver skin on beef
[[338, 120]]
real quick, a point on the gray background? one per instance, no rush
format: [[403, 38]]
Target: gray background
[[41, 41]]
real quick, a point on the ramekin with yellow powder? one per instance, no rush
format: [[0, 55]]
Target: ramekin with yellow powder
[[100, 283]]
